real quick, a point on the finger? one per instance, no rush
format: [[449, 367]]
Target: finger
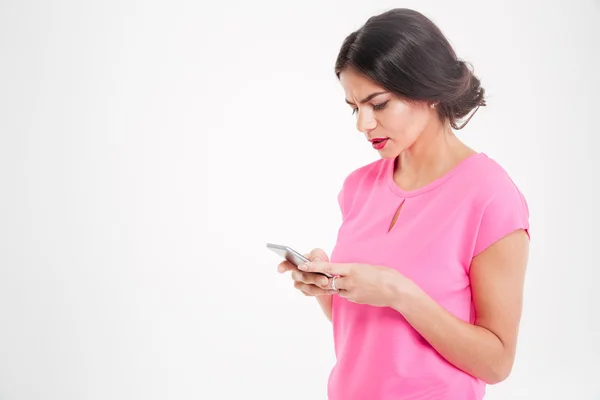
[[326, 267], [313, 290], [341, 283], [298, 276], [285, 266], [310, 279]]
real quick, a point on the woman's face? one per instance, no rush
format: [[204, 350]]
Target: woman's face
[[391, 125]]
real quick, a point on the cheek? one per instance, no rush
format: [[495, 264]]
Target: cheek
[[405, 123]]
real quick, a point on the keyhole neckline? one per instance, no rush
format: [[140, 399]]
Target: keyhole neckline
[[395, 217]]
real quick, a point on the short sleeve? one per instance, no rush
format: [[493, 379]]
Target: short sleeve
[[504, 213], [344, 198], [340, 199], [353, 186], [347, 192]]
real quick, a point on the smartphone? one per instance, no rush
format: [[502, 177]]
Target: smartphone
[[291, 255]]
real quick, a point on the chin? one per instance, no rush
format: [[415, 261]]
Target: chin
[[389, 154]]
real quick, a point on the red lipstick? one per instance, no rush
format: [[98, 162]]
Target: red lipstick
[[379, 143]]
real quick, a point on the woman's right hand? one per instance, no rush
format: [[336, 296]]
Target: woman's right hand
[[310, 284]]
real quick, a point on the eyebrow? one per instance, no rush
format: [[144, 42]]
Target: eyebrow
[[368, 98]]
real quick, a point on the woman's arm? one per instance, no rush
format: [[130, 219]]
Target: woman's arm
[[485, 349], [325, 303]]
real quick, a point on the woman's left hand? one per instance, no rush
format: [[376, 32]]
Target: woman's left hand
[[363, 283]]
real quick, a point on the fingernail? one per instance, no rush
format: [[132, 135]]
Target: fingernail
[[302, 267], [317, 259]]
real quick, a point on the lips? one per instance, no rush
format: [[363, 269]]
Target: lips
[[379, 143]]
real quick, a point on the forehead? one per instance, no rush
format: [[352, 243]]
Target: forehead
[[357, 85]]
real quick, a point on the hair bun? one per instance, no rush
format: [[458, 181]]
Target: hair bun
[[468, 96]]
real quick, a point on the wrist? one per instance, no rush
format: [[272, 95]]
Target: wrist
[[405, 294]]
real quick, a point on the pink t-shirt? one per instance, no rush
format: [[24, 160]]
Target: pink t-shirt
[[440, 228]]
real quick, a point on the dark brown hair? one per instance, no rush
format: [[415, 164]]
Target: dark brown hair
[[407, 54]]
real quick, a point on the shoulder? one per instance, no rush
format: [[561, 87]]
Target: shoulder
[[360, 180], [491, 182], [366, 174]]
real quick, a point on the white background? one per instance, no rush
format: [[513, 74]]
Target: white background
[[148, 151]]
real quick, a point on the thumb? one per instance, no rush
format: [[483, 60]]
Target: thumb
[[318, 255]]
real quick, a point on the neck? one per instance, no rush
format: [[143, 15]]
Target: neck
[[436, 152]]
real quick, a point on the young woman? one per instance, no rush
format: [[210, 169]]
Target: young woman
[[431, 255]]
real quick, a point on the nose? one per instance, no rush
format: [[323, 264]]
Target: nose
[[365, 121]]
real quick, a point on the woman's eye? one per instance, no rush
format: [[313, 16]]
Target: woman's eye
[[376, 107], [380, 106]]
